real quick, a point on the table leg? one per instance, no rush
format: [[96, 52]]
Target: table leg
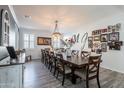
[[73, 76]]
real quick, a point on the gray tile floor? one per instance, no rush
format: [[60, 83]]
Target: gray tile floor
[[36, 75]]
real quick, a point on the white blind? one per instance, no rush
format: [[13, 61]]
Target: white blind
[[28, 41]]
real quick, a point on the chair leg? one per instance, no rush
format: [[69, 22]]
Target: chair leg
[[48, 65], [63, 80], [51, 67], [87, 83], [98, 82], [57, 74], [54, 71]]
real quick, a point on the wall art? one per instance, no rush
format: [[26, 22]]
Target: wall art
[[104, 37], [90, 42], [114, 28], [114, 36], [115, 45], [43, 41], [104, 31], [104, 47], [118, 27], [96, 38]]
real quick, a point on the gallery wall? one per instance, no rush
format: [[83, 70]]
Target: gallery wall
[[112, 59]]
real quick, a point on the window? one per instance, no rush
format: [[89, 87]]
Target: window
[[28, 41]]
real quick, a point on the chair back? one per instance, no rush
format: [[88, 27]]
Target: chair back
[[92, 70], [43, 55], [12, 52], [60, 62], [47, 49], [47, 56], [74, 52], [61, 65], [85, 54], [51, 55], [60, 56]]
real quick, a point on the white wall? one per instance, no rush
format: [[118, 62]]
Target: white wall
[[112, 59], [38, 33]]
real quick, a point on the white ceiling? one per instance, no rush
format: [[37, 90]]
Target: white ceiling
[[71, 17]]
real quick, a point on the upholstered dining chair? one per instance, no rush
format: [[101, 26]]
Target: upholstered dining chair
[[91, 71], [42, 55], [75, 52], [62, 67], [47, 59], [52, 62]]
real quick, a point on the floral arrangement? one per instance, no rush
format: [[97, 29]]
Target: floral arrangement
[[71, 41]]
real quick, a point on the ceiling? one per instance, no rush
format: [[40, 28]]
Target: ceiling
[[71, 17]]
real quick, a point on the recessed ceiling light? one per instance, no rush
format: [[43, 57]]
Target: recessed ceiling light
[[27, 17]]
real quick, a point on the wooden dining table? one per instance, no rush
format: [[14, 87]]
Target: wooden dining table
[[76, 62]]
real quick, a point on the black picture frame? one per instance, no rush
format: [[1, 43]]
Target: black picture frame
[[96, 38], [43, 41], [114, 36], [104, 38]]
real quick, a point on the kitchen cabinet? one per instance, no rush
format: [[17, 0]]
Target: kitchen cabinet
[[11, 76]]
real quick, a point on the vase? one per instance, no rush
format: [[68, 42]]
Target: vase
[[68, 52]]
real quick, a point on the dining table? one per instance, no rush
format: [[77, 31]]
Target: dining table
[[76, 62]]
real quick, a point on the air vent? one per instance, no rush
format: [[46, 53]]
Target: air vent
[[27, 17]]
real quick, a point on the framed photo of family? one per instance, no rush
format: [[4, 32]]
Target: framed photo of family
[[43, 41], [114, 36]]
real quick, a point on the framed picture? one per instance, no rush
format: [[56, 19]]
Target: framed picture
[[103, 30], [43, 41], [114, 36], [109, 28], [96, 38], [104, 37], [114, 28], [104, 47], [118, 27], [90, 42], [115, 45]]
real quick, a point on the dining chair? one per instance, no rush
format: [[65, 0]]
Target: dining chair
[[74, 52], [42, 55], [91, 71], [52, 61], [85, 54], [47, 59], [61, 67]]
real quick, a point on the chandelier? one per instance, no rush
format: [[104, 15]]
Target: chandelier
[[56, 34]]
